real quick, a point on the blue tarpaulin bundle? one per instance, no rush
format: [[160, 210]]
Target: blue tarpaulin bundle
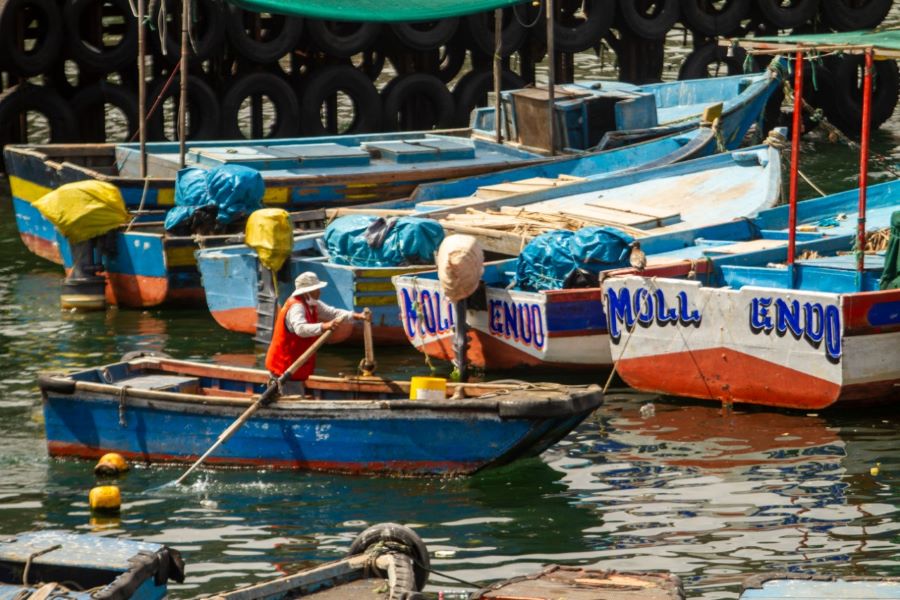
[[225, 194], [364, 241], [550, 260]]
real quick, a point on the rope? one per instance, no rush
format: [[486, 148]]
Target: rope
[[34, 555], [536, 18], [122, 393], [140, 207]]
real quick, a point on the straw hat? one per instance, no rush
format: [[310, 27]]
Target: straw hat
[[307, 282]]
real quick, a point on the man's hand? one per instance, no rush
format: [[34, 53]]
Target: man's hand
[[358, 316], [328, 326]]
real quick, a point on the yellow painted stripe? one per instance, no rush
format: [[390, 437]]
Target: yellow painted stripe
[[383, 273], [276, 195], [26, 190], [375, 286], [165, 196], [361, 196], [180, 256], [374, 300], [361, 185]]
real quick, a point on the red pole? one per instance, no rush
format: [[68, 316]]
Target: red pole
[[795, 154], [864, 162]]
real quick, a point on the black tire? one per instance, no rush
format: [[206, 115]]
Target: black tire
[[92, 100], [712, 60], [650, 19], [203, 106], [575, 34], [794, 15], [450, 60], [25, 98], [425, 35], [81, 17], [372, 63], [328, 81], [704, 18], [277, 34], [209, 30], [47, 36], [472, 89], [415, 102], [343, 39], [480, 30], [279, 93], [850, 15], [143, 353], [404, 578], [400, 539], [848, 92], [49, 383]]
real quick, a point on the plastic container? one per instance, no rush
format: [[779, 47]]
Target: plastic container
[[427, 388]]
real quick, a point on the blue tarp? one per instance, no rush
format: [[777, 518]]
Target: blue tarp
[[364, 241], [225, 193], [551, 259]]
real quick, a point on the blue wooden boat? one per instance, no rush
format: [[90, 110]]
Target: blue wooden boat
[[792, 586], [584, 110], [156, 409], [231, 277], [299, 173], [56, 564]]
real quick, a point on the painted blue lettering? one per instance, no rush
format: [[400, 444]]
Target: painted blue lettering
[[686, 317], [538, 324], [409, 312], [510, 325], [787, 317], [526, 323], [664, 314], [494, 323], [833, 332], [814, 323], [760, 319], [618, 309], [428, 311], [643, 306]]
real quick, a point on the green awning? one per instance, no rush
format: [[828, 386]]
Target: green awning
[[886, 44], [374, 10]]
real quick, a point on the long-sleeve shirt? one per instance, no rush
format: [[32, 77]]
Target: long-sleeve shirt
[[295, 319]]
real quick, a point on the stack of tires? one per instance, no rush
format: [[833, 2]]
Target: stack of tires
[[69, 66]]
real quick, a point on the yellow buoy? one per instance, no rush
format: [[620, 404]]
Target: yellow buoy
[[427, 388], [105, 499], [110, 465]]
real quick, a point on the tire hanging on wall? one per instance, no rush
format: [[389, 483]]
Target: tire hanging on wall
[[202, 106], [425, 35], [850, 15], [704, 18], [84, 19], [262, 38], [327, 81], [209, 30], [48, 36], [697, 64], [847, 91], [91, 101], [279, 93], [417, 101], [794, 15], [27, 98], [650, 19], [480, 33], [343, 39], [472, 89], [580, 24]]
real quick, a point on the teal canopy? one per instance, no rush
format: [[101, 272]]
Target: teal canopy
[[374, 10], [885, 43]]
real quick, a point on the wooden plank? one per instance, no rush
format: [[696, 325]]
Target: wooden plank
[[642, 210], [741, 247]]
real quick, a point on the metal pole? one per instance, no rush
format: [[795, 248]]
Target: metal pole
[[142, 88], [864, 164], [182, 100], [551, 74], [461, 341], [795, 157], [498, 84]]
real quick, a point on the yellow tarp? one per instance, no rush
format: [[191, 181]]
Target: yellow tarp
[[270, 233], [84, 209]]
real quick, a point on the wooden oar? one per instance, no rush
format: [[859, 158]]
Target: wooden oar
[[268, 393]]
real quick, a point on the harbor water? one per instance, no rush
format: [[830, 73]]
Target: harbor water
[[710, 494]]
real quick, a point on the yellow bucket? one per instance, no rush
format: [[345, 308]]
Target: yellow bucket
[[427, 388]]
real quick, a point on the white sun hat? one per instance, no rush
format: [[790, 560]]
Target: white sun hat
[[307, 282]]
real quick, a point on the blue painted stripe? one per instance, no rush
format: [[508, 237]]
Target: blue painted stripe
[[884, 314]]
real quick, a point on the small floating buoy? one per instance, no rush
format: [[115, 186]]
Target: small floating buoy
[[648, 410], [105, 499], [110, 465]]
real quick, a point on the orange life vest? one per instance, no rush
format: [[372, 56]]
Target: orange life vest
[[286, 347]]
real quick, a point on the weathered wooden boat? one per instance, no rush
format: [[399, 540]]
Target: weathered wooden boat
[[742, 329], [583, 110], [234, 283], [583, 583], [301, 173], [793, 586], [57, 564], [387, 561], [156, 409], [566, 328]]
